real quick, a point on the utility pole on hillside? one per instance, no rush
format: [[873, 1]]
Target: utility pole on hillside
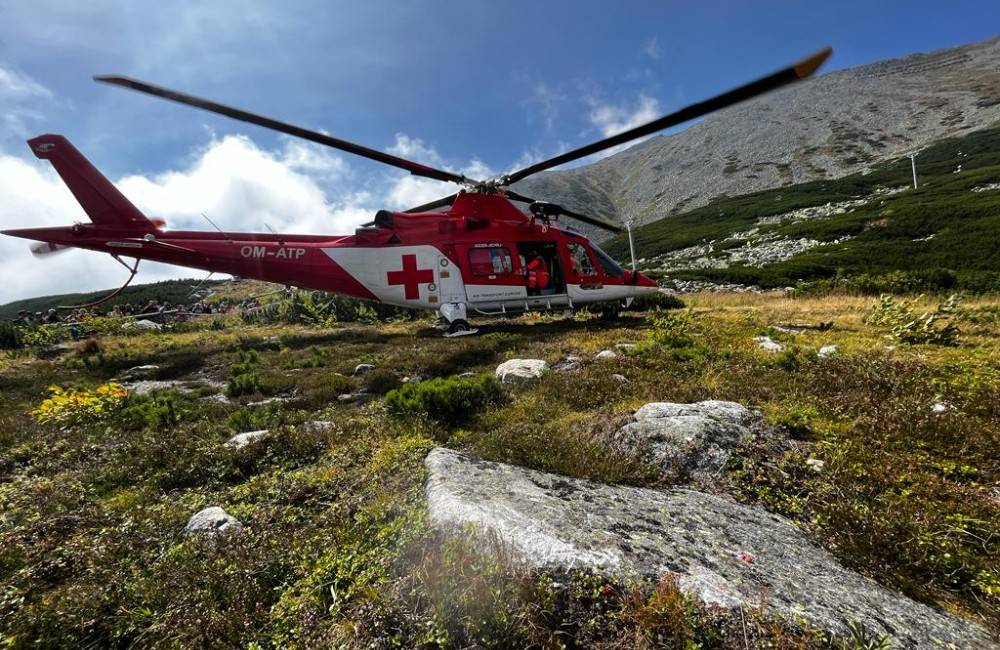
[[631, 245], [913, 164]]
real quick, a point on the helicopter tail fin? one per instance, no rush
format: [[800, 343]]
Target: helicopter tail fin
[[101, 200]]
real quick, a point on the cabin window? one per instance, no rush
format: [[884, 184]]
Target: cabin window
[[490, 261], [611, 268], [582, 266]]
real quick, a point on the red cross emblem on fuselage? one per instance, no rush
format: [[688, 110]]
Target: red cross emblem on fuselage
[[410, 277]]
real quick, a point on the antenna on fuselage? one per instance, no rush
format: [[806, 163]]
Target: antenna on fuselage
[[214, 225]]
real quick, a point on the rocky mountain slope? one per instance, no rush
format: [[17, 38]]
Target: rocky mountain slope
[[835, 125], [865, 225]]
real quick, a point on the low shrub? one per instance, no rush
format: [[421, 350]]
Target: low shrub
[[242, 377], [10, 337], [380, 381], [267, 416], [906, 326], [78, 406], [659, 300], [452, 401], [671, 330], [156, 413]]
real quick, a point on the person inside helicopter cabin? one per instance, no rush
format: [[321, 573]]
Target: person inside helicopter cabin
[[538, 272]]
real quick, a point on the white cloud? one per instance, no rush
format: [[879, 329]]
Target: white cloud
[[652, 49], [19, 94], [613, 119], [545, 101]]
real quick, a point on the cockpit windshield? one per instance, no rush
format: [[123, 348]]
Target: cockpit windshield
[[610, 267]]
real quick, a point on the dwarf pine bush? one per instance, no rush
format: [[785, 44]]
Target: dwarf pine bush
[[452, 401]]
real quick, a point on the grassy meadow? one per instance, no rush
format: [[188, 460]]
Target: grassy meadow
[[336, 548]]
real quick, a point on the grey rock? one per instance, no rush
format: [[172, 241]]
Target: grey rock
[[521, 371], [571, 363], [147, 325], [686, 440], [211, 522], [319, 426], [815, 464], [626, 347], [414, 379], [466, 375], [622, 379], [140, 372], [356, 398], [768, 344], [147, 386], [606, 355], [269, 400], [722, 552], [241, 440], [827, 351], [53, 351], [363, 369]]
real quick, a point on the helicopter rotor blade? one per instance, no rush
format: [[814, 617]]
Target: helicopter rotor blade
[[604, 225], [791, 74], [414, 168]]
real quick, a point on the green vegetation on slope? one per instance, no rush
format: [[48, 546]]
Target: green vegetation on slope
[[887, 234]]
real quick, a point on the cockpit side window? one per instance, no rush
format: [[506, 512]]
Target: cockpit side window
[[611, 268]]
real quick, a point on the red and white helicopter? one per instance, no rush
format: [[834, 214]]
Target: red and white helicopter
[[473, 252]]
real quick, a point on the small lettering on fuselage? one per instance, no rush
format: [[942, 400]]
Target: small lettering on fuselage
[[282, 252]]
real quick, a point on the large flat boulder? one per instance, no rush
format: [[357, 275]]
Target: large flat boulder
[[686, 440], [725, 554]]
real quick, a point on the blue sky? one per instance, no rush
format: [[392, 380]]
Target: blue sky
[[473, 85]]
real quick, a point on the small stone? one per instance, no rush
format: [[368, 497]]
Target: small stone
[[768, 344], [940, 407], [356, 398], [815, 464], [622, 379], [521, 371], [363, 369], [269, 400], [466, 375], [626, 347], [414, 379], [241, 440], [212, 521], [140, 372], [604, 355], [571, 363], [827, 351]]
